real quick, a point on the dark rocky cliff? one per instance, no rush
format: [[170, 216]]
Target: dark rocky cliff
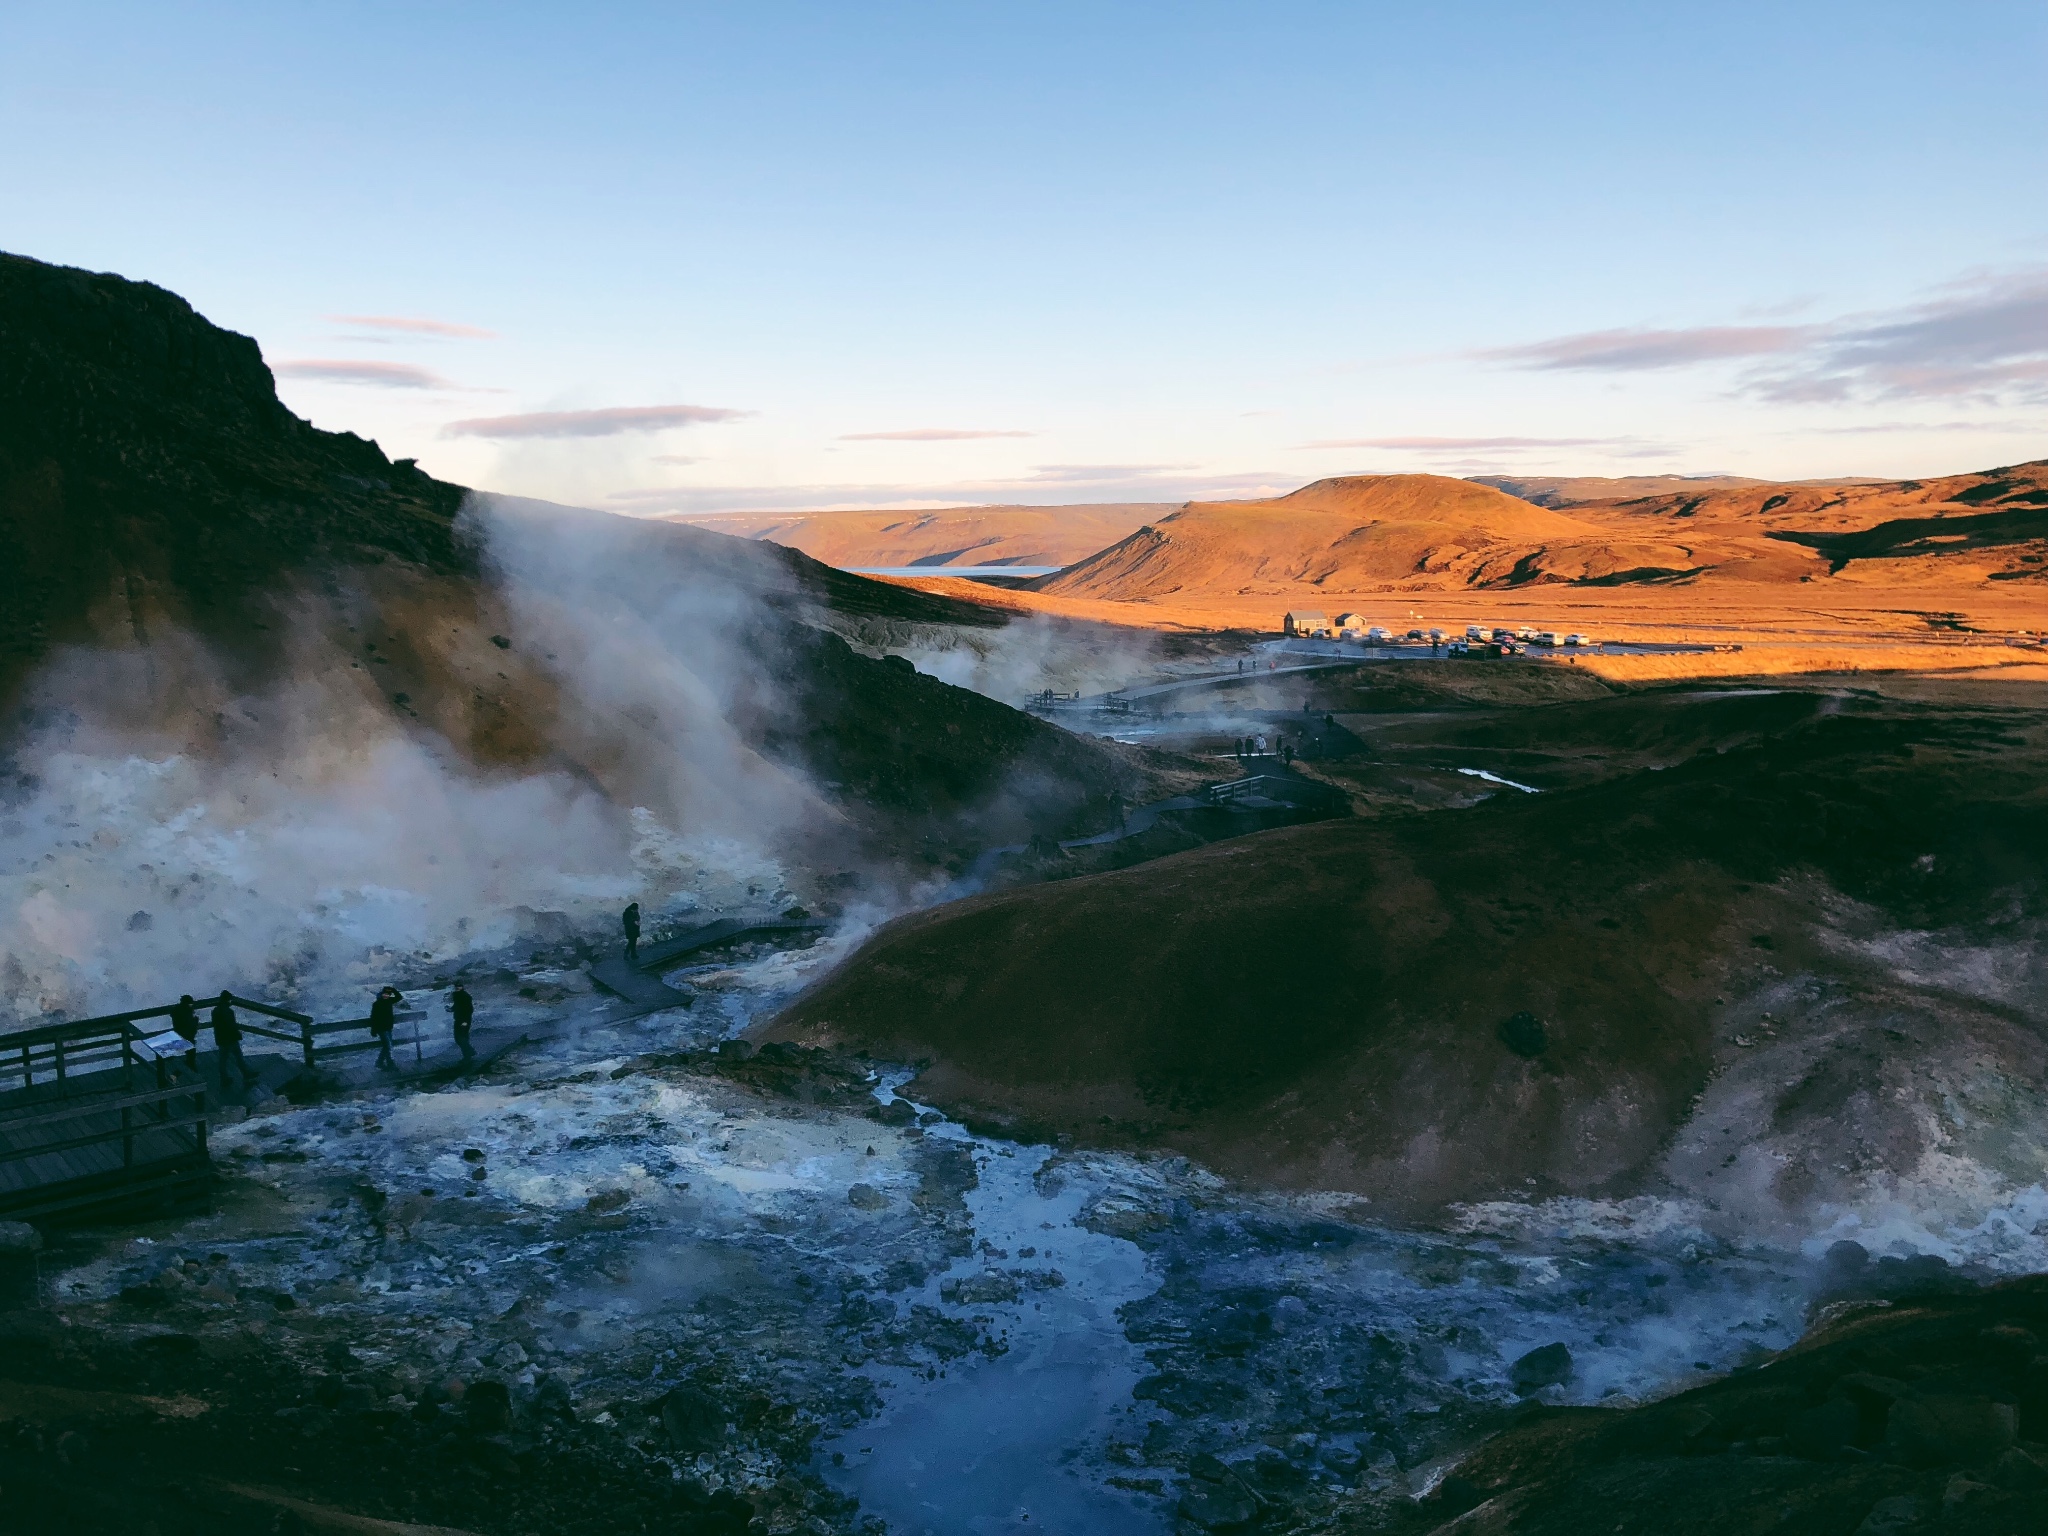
[[144, 453]]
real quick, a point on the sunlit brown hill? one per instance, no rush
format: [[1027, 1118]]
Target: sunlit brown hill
[[948, 536], [1571, 490], [1430, 533]]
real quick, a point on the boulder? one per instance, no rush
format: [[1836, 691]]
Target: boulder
[[1947, 1430], [1540, 1368], [1821, 1433], [865, 1197], [487, 1405], [693, 1418], [1524, 1034], [1218, 1507], [1887, 1516]]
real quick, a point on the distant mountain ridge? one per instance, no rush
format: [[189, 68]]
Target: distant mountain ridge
[[943, 536], [1430, 533], [1570, 490]]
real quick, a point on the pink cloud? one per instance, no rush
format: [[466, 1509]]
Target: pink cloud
[[411, 325], [607, 422], [928, 435], [348, 370]]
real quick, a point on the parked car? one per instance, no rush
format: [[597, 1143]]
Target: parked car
[[1576, 640]]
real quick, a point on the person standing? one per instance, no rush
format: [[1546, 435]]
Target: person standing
[[463, 1009], [227, 1040], [185, 1024], [630, 921], [383, 1022]]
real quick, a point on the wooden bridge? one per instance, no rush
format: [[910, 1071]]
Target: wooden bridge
[[95, 1122]]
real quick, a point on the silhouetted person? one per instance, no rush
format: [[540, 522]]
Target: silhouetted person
[[463, 1007], [185, 1023], [630, 921], [227, 1040], [383, 1022], [1286, 755]]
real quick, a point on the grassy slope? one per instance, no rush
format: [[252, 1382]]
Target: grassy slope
[[1320, 1006]]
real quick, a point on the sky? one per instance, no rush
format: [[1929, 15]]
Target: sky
[[674, 257]]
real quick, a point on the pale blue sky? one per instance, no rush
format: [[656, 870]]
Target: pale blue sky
[[1163, 249]]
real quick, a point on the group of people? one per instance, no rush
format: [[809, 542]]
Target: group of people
[[227, 1030], [384, 1022]]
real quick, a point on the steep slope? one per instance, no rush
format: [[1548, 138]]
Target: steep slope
[[1335, 1006], [948, 536], [149, 474], [179, 550]]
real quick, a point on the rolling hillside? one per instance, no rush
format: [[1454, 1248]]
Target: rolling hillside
[[1429, 533], [949, 536]]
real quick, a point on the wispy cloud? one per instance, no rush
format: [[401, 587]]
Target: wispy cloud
[[928, 435], [1049, 484], [1637, 350], [345, 370], [1982, 339], [607, 422], [1464, 444], [414, 325]]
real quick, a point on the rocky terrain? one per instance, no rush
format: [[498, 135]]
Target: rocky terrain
[[1757, 949], [1619, 1111]]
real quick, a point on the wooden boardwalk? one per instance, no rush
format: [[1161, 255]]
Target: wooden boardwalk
[[639, 981], [92, 1119]]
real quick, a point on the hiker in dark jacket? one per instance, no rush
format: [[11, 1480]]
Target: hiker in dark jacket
[[630, 921], [384, 1020], [227, 1040], [463, 1007], [185, 1023]]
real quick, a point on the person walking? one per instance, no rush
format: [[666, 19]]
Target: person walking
[[630, 921], [227, 1041], [383, 1023], [462, 1007], [185, 1024]]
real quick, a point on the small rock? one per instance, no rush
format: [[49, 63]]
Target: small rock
[[18, 1237], [1820, 1433], [1540, 1368], [694, 1419], [606, 1200], [510, 1356], [1948, 1430], [1225, 1506], [735, 1050], [1524, 1034], [1900, 1513], [140, 922], [895, 1112], [488, 1406], [2020, 1471], [865, 1197], [1962, 1491]]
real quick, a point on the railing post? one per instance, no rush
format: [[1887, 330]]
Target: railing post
[[306, 1044], [28, 1077]]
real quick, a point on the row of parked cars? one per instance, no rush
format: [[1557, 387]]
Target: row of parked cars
[[1478, 639]]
